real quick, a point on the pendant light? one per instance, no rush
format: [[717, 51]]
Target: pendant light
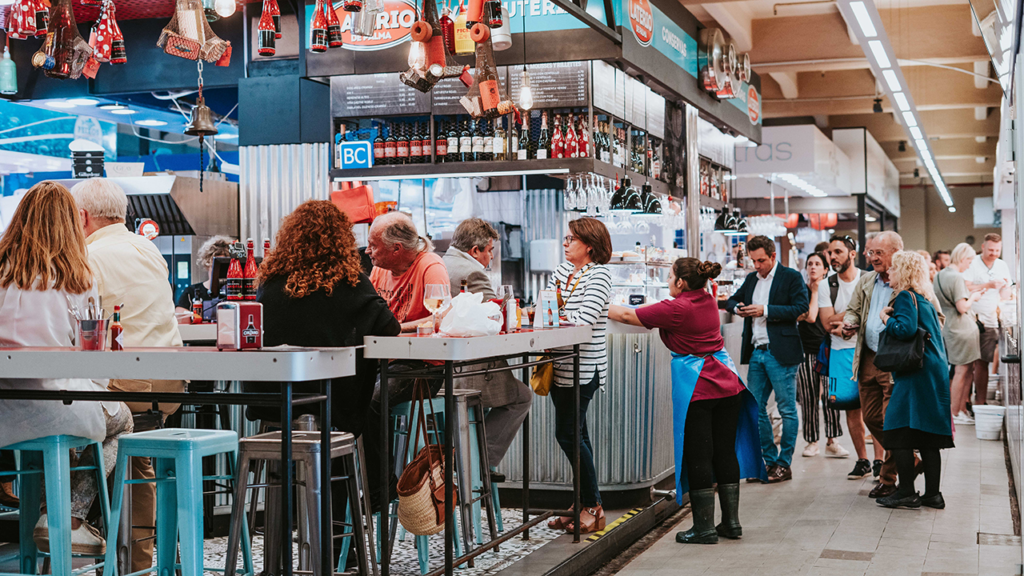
[[225, 8], [210, 10], [8, 72], [525, 90]]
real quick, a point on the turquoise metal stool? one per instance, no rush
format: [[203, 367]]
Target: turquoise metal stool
[[177, 456], [50, 456]]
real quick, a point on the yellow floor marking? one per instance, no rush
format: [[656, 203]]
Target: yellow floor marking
[[611, 526]]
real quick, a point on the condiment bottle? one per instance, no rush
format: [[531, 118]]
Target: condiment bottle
[[116, 331]]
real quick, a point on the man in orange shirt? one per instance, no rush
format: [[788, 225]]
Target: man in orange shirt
[[403, 263]]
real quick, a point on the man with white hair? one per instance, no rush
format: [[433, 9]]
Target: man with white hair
[[129, 269], [871, 295]]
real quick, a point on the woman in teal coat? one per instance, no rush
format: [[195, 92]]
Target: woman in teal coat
[[918, 415]]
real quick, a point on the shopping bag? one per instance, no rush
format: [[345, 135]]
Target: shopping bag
[[356, 201], [421, 489], [543, 377]]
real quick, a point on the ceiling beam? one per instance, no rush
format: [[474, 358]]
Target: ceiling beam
[[735, 19], [939, 124], [787, 82]]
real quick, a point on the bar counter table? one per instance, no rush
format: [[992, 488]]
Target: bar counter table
[[456, 358], [286, 365]]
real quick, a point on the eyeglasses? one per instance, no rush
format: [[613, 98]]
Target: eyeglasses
[[568, 239], [871, 253]]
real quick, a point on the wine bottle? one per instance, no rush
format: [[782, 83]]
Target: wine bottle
[[415, 145], [275, 16], [333, 26], [453, 142], [523, 151], [378, 147], [267, 34], [402, 146], [583, 138], [558, 139], [441, 145], [478, 142], [498, 147], [319, 28], [465, 143], [391, 147], [569, 134], [543, 140]]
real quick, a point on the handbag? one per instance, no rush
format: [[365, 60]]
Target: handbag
[[902, 356], [421, 488], [543, 377], [356, 201], [843, 391], [822, 359]]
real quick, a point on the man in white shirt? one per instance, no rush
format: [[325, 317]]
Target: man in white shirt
[[129, 269], [842, 250], [990, 276]]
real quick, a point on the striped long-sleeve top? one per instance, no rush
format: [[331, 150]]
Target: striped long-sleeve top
[[586, 303]]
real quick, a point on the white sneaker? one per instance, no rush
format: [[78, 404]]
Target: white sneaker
[[868, 439], [85, 540], [963, 419], [811, 450], [834, 450]]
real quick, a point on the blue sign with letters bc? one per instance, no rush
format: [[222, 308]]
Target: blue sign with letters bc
[[356, 154]]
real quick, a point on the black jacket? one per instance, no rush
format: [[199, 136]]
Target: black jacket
[[787, 300], [341, 319]]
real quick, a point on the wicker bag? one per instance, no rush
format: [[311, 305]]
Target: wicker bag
[[421, 487], [188, 35]]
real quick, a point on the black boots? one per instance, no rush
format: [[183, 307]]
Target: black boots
[[702, 503], [729, 498]]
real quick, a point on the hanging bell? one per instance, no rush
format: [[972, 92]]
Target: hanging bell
[[201, 123]]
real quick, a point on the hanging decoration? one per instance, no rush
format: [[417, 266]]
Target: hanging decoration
[[267, 32], [21, 20], [8, 71], [188, 35], [275, 16], [352, 5], [429, 59], [106, 39], [64, 53], [201, 124], [365, 19], [485, 98], [318, 28], [333, 26], [42, 17]]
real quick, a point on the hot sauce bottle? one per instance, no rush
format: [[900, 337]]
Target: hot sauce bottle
[[116, 331]]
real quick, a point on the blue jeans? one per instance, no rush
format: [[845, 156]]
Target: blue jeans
[[562, 398], [764, 375]]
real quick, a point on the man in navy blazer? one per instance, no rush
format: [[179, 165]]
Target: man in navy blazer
[[770, 301]]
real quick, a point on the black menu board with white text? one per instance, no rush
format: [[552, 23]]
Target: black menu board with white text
[[554, 85], [446, 94], [364, 95]]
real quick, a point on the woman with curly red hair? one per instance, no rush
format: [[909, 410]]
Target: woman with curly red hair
[[314, 293]]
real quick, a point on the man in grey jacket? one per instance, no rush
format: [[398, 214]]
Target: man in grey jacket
[[508, 399]]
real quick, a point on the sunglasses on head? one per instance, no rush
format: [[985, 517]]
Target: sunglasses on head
[[847, 240]]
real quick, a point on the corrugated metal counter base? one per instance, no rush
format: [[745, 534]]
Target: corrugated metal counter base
[[629, 421]]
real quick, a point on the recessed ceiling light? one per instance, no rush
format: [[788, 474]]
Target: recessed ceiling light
[[113, 106], [151, 123], [83, 101], [878, 49], [60, 104], [122, 111], [860, 12], [892, 80]]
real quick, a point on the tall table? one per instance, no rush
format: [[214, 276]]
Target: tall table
[[286, 365], [453, 355]]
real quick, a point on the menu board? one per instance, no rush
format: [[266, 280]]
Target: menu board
[[620, 93], [639, 103], [627, 100], [364, 95], [656, 114], [446, 94], [554, 85], [603, 76]]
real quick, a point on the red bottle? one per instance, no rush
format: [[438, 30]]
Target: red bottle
[[234, 279], [197, 311], [275, 15], [118, 55], [448, 32], [116, 331], [249, 273], [557, 139], [571, 150], [583, 138], [266, 248], [319, 28], [352, 5], [42, 18], [267, 33], [333, 26]]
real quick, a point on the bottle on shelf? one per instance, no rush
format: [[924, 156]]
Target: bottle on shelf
[[477, 142], [117, 331], [488, 141], [266, 248], [453, 142], [234, 278], [705, 180], [378, 146], [655, 164], [511, 150], [498, 147], [523, 150], [543, 140], [557, 139], [415, 145], [583, 137], [441, 144], [391, 147], [402, 146], [249, 272], [714, 185], [569, 134], [466, 143]]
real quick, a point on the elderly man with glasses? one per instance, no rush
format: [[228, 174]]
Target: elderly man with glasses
[[870, 296]]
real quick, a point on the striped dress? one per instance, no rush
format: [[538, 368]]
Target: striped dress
[[586, 303]]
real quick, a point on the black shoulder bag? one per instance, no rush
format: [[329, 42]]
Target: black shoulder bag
[[902, 356]]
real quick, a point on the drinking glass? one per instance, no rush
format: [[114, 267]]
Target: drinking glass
[[435, 298]]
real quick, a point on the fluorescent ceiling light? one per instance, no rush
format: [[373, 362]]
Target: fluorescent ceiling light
[[910, 119], [151, 123], [878, 49], [860, 11], [83, 101], [901, 101], [916, 133], [60, 104], [892, 80], [122, 111], [922, 146], [952, 208]]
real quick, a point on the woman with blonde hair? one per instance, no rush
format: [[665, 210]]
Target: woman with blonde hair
[[960, 332], [215, 247], [44, 267], [917, 417]]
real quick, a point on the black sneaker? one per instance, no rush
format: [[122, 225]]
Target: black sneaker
[[876, 468], [894, 500], [860, 470], [936, 501]]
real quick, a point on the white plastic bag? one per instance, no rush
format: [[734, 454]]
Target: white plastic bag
[[469, 315]]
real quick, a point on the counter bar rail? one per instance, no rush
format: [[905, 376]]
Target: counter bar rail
[[456, 354], [286, 365]]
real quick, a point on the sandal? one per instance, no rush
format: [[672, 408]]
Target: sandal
[[591, 520], [559, 522]]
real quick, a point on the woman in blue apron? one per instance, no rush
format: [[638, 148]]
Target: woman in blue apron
[[714, 416]]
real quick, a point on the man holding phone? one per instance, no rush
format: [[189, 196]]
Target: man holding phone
[[770, 301], [863, 318]]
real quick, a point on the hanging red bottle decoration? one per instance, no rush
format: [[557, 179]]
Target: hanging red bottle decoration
[[352, 5], [275, 16], [266, 31], [118, 54], [42, 17], [64, 53], [100, 38], [333, 26], [21, 20], [318, 29]]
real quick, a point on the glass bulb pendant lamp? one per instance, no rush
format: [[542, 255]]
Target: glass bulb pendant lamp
[[525, 92]]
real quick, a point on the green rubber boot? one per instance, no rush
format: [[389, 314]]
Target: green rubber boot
[[702, 503], [729, 498]]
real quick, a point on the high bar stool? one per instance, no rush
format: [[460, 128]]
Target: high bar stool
[[50, 456], [177, 456], [306, 451]]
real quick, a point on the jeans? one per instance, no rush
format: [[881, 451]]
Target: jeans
[[562, 398], [765, 375]]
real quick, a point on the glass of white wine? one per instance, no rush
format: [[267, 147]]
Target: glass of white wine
[[435, 297]]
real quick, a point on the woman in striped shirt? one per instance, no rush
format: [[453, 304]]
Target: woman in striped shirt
[[586, 287]]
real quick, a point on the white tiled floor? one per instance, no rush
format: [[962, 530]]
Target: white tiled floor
[[820, 523]]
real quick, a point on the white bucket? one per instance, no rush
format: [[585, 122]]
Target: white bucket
[[988, 422]]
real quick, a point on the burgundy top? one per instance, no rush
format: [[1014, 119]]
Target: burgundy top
[[689, 324]]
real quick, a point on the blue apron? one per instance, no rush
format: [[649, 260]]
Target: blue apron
[[685, 371]]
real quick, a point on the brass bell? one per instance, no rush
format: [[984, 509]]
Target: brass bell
[[201, 123]]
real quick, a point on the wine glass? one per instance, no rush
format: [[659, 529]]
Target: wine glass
[[570, 198], [435, 298]]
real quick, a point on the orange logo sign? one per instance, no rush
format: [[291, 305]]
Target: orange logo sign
[[753, 105], [641, 19]]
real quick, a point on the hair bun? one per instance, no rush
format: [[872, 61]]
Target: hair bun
[[709, 269]]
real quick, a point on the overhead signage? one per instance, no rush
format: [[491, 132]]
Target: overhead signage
[[641, 21], [148, 229], [356, 154], [674, 43], [753, 105]]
